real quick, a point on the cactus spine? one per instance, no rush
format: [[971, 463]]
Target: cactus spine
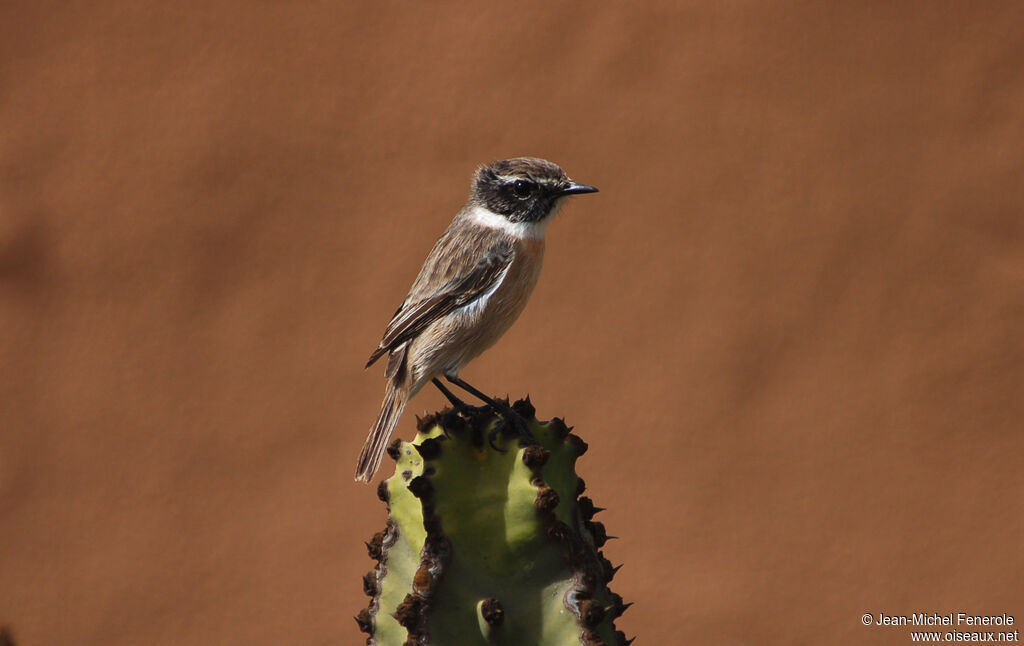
[[487, 547]]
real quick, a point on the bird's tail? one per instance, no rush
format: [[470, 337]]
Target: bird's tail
[[377, 440]]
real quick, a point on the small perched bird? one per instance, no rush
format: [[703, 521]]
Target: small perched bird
[[472, 287]]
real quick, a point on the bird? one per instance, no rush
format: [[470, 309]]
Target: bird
[[472, 287]]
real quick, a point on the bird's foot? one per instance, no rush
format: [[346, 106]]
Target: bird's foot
[[459, 406], [468, 410], [511, 423]]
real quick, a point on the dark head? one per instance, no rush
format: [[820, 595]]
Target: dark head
[[524, 189]]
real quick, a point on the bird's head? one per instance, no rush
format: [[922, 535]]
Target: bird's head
[[524, 189]]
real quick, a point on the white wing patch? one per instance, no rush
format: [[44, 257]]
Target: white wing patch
[[480, 304]]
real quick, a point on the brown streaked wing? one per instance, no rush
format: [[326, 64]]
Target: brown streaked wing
[[413, 317]]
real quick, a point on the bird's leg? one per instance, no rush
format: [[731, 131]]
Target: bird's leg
[[508, 415], [459, 405]]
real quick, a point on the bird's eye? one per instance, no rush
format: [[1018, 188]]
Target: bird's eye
[[522, 188]]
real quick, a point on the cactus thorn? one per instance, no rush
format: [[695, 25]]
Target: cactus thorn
[[492, 612], [591, 612], [429, 449], [587, 508], [535, 456], [421, 487], [422, 580], [365, 621], [409, 611], [375, 545], [525, 408], [581, 486], [394, 449], [578, 444], [558, 426], [370, 583], [547, 499]]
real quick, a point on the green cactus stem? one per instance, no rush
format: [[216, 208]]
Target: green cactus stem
[[487, 547]]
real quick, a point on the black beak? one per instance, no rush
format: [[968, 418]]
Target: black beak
[[574, 188]]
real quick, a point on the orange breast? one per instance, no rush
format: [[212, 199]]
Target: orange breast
[[453, 341], [504, 306]]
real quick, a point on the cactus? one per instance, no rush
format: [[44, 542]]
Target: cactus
[[486, 546]]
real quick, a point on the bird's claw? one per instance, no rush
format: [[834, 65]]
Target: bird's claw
[[466, 410], [493, 434], [510, 418]]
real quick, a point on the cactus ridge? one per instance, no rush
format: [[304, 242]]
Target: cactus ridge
[[486, 546]]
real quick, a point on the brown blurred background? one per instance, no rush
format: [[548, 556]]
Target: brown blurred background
[[790, 325]]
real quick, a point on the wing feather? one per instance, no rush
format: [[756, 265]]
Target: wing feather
[[461, 290]]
